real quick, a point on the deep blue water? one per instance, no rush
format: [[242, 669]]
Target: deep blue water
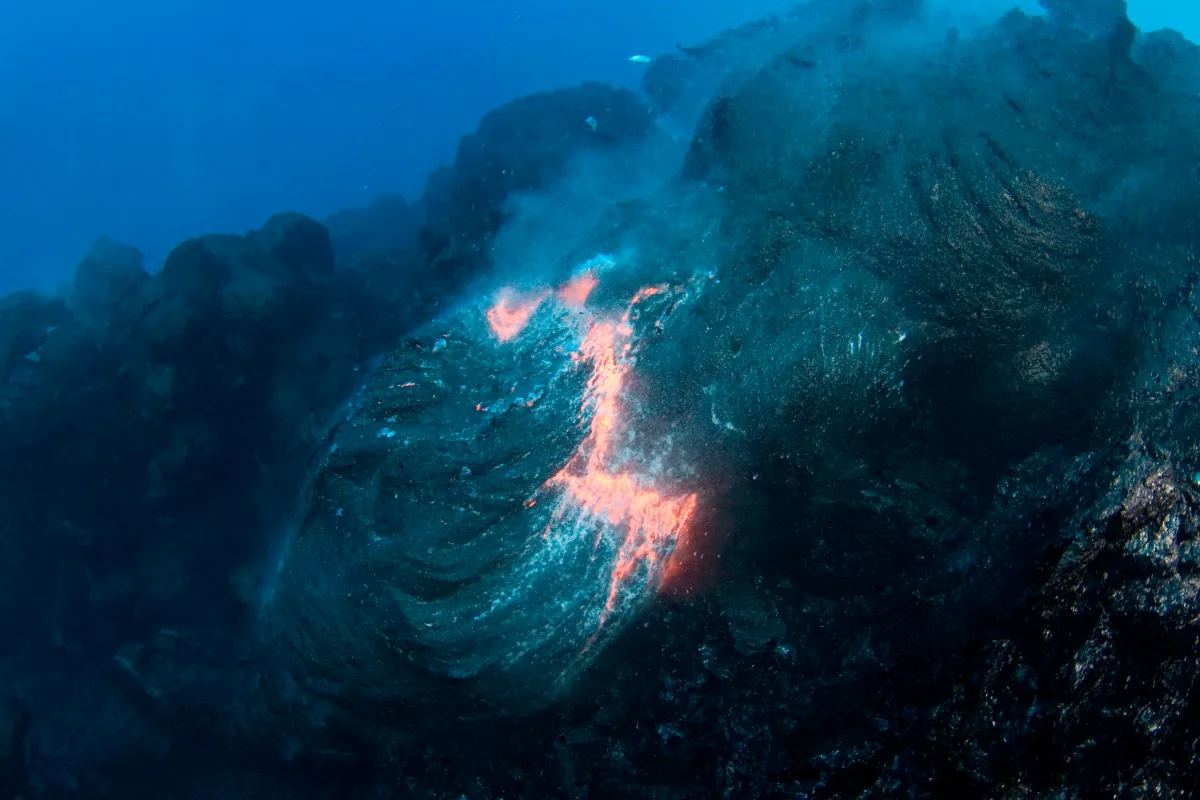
[[152, 122]]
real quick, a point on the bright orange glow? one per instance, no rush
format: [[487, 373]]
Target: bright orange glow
[[511, 313], [652, 524], [642, 294], [578, 289], [598, 481]]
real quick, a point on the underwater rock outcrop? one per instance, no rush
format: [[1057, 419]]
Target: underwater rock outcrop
[[524, 145], [386, 225], [894, 290]]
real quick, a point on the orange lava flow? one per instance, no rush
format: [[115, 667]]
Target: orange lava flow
[[577, 290], [510, 314], [652, 523]]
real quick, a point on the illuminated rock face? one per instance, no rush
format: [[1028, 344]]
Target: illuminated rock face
[[488, 511], [876, 323]]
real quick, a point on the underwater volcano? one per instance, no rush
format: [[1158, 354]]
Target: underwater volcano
[[494, 505], [899, 276], [852, 453]]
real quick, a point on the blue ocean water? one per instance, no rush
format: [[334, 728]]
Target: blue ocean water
[[153, 122]]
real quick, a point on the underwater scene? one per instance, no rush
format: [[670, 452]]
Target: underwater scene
[[524, 400]]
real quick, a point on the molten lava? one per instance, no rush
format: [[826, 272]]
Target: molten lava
[[578, 289], [649, 524], [598, 482], [511, 313]]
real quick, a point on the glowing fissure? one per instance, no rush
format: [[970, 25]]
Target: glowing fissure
[[596, 484], [578, 289], [510, 314], [651, 524]]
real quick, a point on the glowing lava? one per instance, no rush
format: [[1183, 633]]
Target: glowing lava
[[511, 313], [577, 290], [597, 482], [651, 523]]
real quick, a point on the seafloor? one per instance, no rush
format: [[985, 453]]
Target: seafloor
[[821, 423]]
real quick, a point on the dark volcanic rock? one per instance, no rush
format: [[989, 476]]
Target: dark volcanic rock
[[107, 293], [14, 726], [1096, 693], [460, 558], [683, 81], [1092, 16], [150, 410], [299, 244], [155, 428], [387, 224], [525, 145], [896, 387], [155, 431], [982, 206]]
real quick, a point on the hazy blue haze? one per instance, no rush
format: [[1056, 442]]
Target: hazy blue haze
[[154, 121]]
